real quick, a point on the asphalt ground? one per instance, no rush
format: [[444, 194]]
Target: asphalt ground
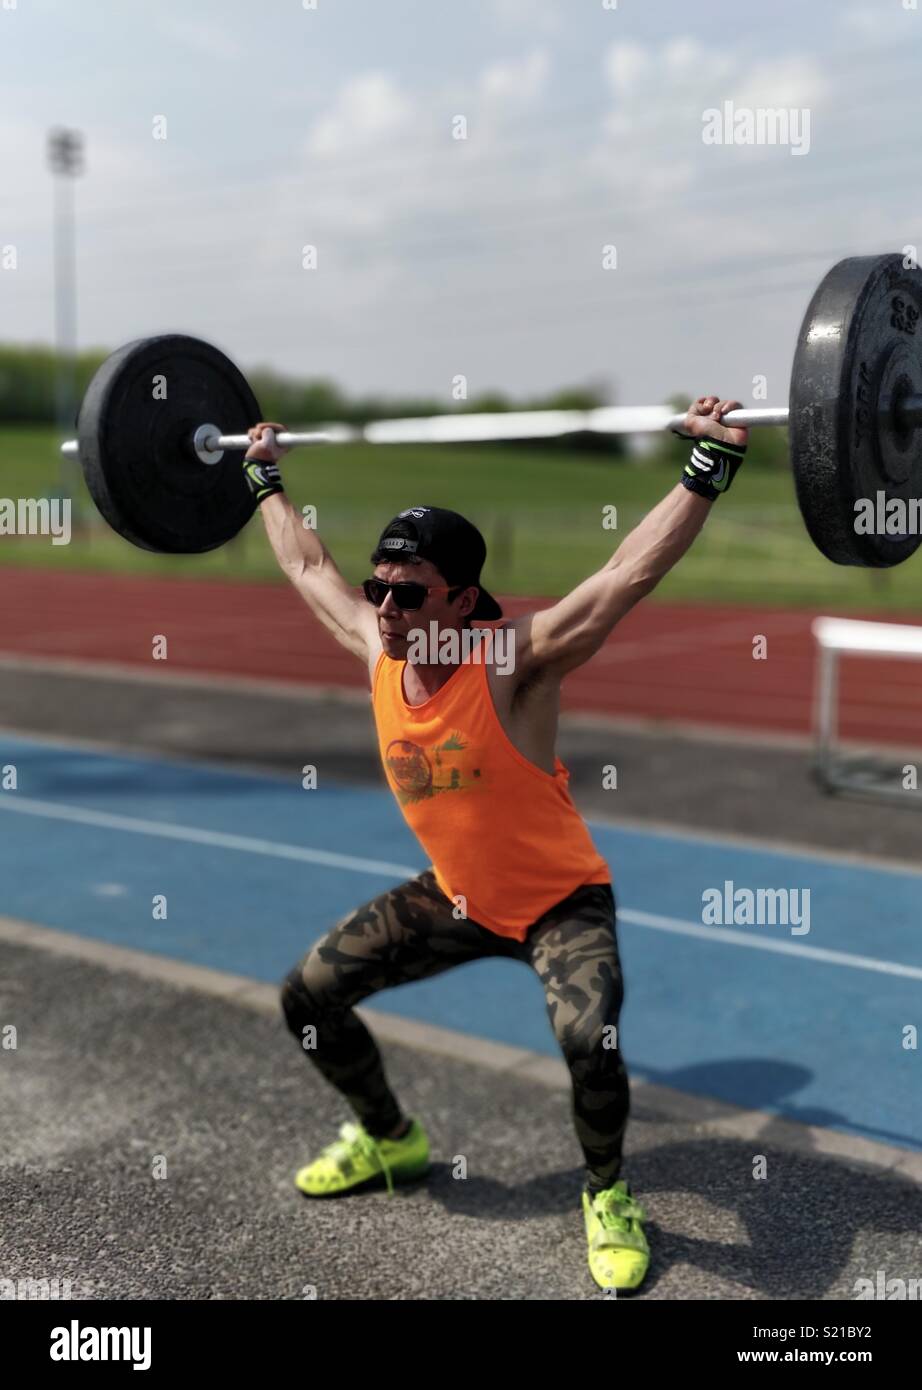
[[197, 1068], [213, 1086]]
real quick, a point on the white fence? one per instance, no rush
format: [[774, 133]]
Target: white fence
[[837, 771]]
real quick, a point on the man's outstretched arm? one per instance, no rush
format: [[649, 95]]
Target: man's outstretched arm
[[301, 553], [566, 635]]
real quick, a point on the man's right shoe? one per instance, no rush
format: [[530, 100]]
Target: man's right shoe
[[619, 1254], [356, 1159]]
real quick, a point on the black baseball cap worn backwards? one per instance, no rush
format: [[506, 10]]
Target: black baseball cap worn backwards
[[451, 542]]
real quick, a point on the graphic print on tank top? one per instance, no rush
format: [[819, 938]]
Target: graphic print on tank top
[[417, 773]]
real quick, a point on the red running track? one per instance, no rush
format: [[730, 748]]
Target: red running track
[[680, 663]]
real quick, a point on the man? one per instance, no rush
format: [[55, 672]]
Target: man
[[467, 740]]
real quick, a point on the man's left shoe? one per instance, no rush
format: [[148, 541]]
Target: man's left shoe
[[618, 1251]]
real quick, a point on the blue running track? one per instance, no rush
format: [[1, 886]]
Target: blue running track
[[253, 868]]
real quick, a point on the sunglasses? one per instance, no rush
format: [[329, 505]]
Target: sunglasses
[[407, 594]]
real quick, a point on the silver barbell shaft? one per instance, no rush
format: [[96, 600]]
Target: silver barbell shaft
[[474, 428], [288, 440], [512, 424]]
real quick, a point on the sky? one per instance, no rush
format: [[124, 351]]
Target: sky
[[332, 124]]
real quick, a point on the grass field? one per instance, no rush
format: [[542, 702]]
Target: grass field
[[540, 512]]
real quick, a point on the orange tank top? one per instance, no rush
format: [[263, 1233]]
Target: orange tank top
[[500, 832]]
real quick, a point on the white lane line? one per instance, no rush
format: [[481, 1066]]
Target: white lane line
[[277, 850], [192, 835], [819, 854], [785, 948]]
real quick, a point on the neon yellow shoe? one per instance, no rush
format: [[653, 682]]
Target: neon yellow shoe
[[618, 1249], [356, 1159]]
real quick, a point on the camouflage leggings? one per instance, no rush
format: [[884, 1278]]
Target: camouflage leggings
[[409, 933]]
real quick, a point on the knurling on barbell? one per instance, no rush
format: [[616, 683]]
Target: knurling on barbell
[[160, 411]]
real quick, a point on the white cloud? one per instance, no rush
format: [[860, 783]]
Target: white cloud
[[683, 53], [518, 80], [403, 150], [626, 64], [633, 69], [650, 135], [784, 82], [369, 109]]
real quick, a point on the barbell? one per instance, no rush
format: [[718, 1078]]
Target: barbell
[[160, 413]]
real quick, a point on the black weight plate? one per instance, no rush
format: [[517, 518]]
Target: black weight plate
[[136, 450], [860, 348]]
